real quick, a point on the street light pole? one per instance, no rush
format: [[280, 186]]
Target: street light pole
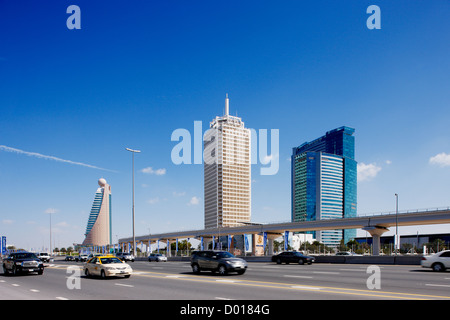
[[134, 237], [397, 244]]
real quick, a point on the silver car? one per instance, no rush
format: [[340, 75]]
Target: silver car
[[220, 261], [125, 256], [157, 257]]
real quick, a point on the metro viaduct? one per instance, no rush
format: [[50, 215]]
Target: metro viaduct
[[376, 225]]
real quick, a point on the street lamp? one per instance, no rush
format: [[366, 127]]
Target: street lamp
[[397, 244], [134, 237]]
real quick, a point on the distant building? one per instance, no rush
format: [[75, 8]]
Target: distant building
[[323, 174], [98, 230], [227, 172]]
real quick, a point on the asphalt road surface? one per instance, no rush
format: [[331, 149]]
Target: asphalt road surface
[[263, 281]]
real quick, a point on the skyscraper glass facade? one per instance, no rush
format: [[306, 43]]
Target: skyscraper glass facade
[[324, 182]]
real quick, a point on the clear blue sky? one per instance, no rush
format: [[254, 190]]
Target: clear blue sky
[[136, 71]]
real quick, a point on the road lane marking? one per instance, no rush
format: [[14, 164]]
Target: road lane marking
[[220, 298], [15, 285], [288, 286], [61, 298], [124, 285], [34, 290], [326, 272], [437, 285], [292, 276], [225, 280], [305, 288]]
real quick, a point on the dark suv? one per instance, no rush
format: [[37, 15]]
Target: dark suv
[[22, 262], [220, 261]]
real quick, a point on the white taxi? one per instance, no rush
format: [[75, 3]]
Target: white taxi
[[107, 266]]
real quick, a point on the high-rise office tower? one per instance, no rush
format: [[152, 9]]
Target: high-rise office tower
[[324, 182], [227, 172], [98, 230]]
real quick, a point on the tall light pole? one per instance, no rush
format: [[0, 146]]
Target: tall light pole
[[397, 244], [134, 237]]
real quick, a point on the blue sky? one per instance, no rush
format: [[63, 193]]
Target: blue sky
[[137, 71]]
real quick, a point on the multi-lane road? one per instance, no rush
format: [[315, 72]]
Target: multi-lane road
[[174, 280]]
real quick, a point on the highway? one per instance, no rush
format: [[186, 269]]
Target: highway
[[263, 281]]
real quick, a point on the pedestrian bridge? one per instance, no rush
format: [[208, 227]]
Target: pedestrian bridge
[[375, 224]]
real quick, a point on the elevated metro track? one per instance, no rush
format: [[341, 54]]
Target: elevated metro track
[[382, 221]]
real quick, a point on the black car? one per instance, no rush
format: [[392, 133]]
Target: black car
[[18, 262], [292, 257]]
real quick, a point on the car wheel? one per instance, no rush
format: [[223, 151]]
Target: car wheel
[[438, 267], [103, 274], [86, 273], [222, 270], [15, 271], [5, 270], [278, 261], [195, 268], [300, 261], [41, 271]]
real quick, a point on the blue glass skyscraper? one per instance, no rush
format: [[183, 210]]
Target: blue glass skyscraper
[[324, 182]]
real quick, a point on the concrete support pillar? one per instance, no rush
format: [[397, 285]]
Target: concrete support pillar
[[270, 238], [376, 232]]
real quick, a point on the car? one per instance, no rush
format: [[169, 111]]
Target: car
[[220, 261], [125, 256], [44, 256], [19, 262], [107, 266], [82, 258], [157, 257], [347, 253], [438, 262], [292, 256], [69, 258]]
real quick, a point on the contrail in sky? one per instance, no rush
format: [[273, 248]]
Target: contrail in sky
[[42, 156]]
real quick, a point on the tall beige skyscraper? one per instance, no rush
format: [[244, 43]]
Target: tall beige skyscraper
[[227, 172]]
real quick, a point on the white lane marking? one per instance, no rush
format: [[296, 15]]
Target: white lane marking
[[220, 298], [326, 272], [15, 285], [2, 281], [61, 298], [175, 276], [305, 287], [362, 270], [228, 281], [292, 276], [34, 290], [438, 285], [124, 285]]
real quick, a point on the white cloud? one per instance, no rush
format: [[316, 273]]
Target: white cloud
[[150, 170], [367, 172], [194, 201], [153, 200], [7, 221], [441, 159]]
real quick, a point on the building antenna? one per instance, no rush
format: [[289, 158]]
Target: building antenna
[[227, 105]]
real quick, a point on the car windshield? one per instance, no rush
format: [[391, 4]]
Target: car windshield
[[222, 255], [24, 255], [110, 260], [298, 254]]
